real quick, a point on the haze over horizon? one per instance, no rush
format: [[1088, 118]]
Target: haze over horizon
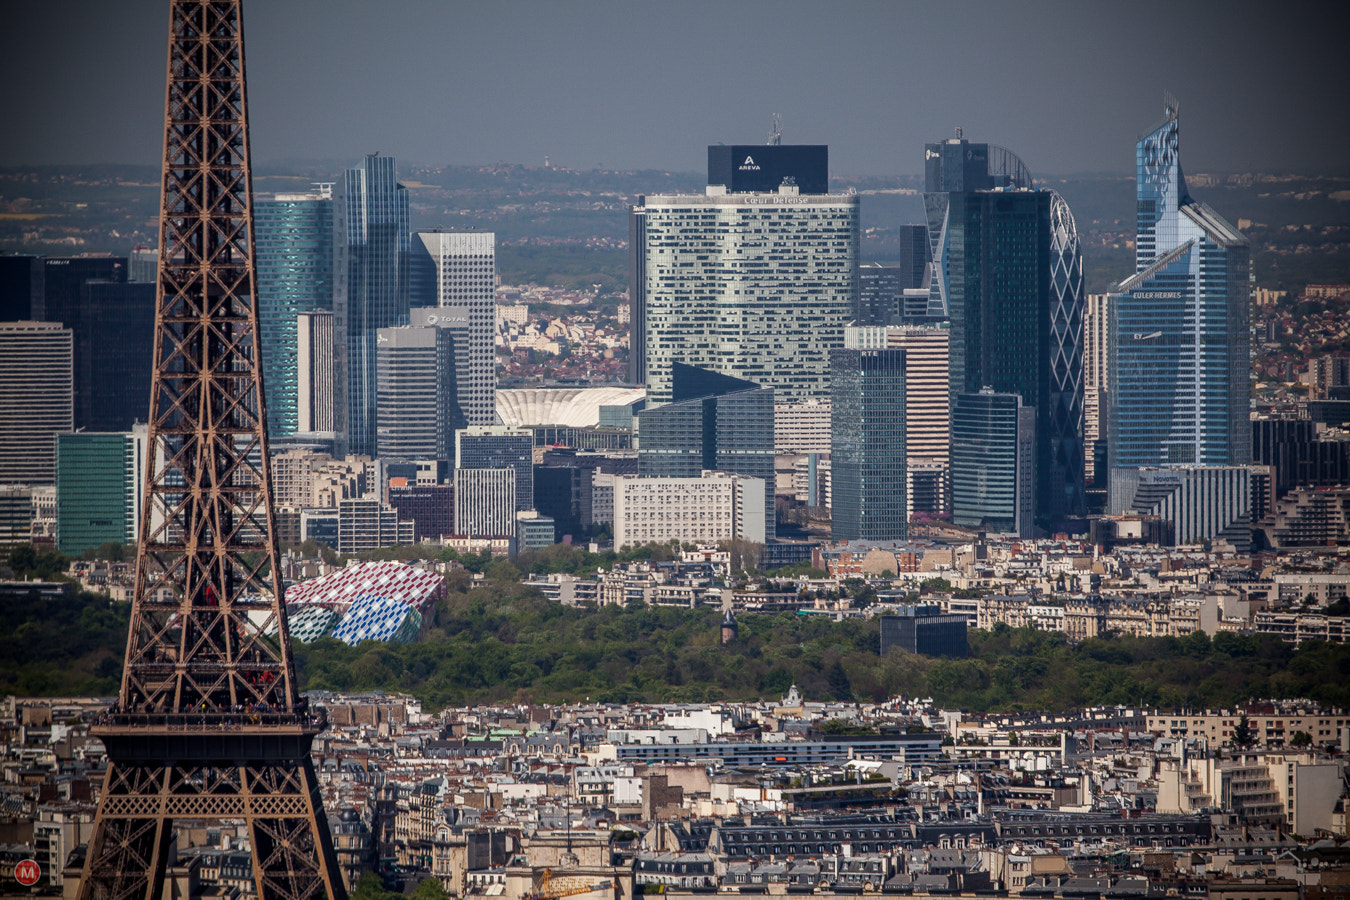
[[604, 84]]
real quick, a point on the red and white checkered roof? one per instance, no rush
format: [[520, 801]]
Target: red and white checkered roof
[[417, 588]]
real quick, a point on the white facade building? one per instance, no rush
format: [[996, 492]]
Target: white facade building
[[457, 274], [758, 286], [485, 502], [801, 427], [715, 507]]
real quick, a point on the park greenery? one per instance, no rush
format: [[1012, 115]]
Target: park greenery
[[502, 641]]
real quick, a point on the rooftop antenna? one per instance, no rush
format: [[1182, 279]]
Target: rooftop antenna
[[775, 133]]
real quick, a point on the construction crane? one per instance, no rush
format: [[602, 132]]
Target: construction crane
[[546, 891]]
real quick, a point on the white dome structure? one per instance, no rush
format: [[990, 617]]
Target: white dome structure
[[570, 407]]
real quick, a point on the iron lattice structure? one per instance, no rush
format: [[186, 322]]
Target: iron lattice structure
[[209, 723]]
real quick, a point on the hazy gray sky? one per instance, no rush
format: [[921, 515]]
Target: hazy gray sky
[[591, 83]]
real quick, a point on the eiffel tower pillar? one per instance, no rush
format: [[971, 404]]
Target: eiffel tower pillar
[[209, 723]]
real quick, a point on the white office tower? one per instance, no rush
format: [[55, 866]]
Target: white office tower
[[801, 427], [1096, 378], [754, 283], [457, 273], [36, 399], [314, 371], [485, 502]]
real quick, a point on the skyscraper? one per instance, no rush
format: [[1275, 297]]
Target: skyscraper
[[893, 294], [99, 484], [20, 287], [498, 447], [114, 334], [754, 279], [713, 423], [867, 447], [112, 328], [1007, 269], [993, 462], [35, 399], [1096, 383], [314, 371], [927, 408], [417, 409], [294, 256], [453, 278], [371, 229], [1179, 356]]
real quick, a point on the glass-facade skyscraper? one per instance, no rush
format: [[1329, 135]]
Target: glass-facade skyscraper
[[1179, 348], [867, 445], [993, 462], [99, 485], [293, 252], [1008, 271], [371, 242]]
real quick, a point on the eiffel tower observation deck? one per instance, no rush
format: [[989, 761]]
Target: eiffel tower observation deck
[[209, 723]]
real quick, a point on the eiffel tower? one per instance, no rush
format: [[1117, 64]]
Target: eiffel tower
[[209, 723]]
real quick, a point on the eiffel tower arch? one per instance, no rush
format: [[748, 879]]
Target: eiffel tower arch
[[209, 723]]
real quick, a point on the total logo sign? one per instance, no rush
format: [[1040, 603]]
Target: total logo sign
[[748, 165], [27, 872]]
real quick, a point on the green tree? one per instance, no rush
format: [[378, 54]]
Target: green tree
[[1301, 739], [1242, 734]]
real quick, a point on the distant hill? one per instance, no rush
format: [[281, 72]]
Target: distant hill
[[570, 228]]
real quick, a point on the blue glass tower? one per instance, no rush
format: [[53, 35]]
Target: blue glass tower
[[867, 445], [293, 240], [371, 243], [1179, 361]]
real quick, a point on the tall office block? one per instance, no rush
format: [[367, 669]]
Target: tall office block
[[114, 334], [1007, 269], [100, 480], [36, 399], [430, 507], [894, 294], [993, 462], [416, 381], [1179, 355], [315, 385], [801, 427], [499, 447], [713, 422], [143, 265], [927, 381], [63, 277], [485, 502], [754, 279], [294, 253], [20, 287], [1096, 382], [371, 247], [112, 328], [867, 447], [456, 273]]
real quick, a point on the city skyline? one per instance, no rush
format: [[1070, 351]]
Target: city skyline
[[529, 80]]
